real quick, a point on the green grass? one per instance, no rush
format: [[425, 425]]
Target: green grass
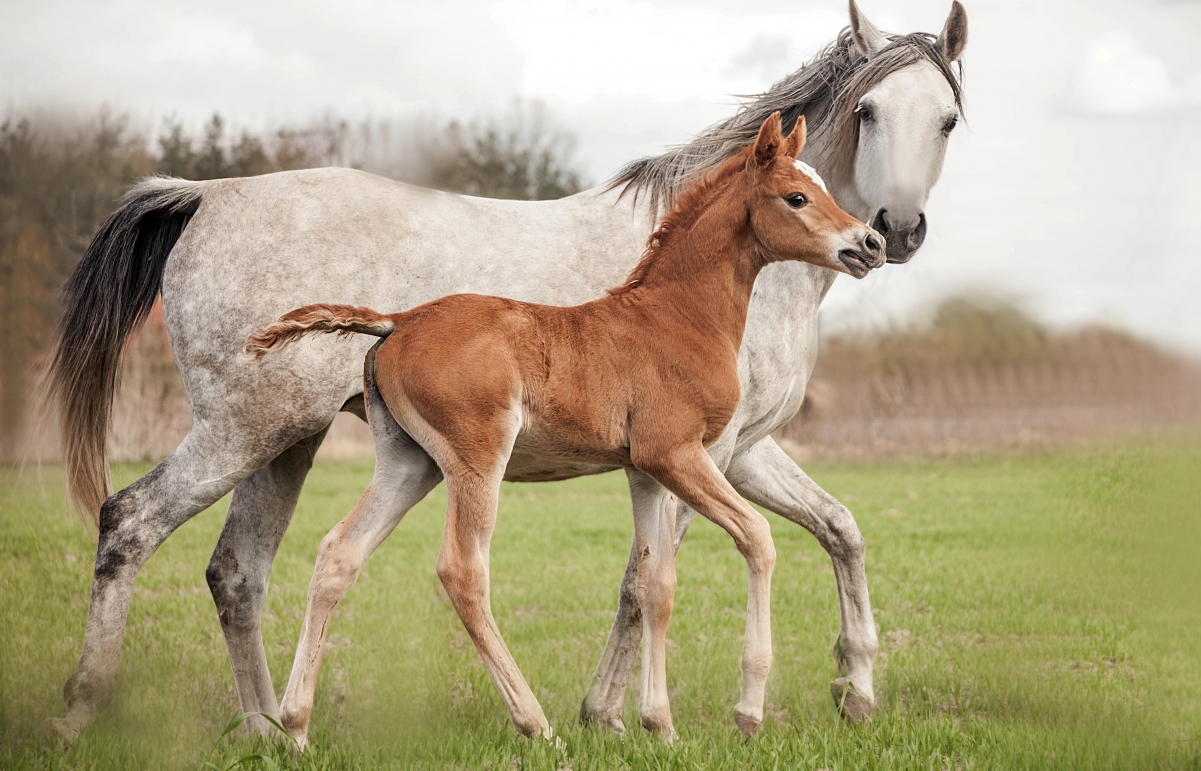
[[1035, 612]]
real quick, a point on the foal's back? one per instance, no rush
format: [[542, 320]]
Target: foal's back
[[569, 381]]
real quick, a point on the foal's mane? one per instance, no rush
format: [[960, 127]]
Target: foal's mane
[[826, 90], [687, 208]]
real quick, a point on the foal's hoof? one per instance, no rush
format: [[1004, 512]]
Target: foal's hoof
[[59, 728], [536, 731], [854, 707], [748, 724]]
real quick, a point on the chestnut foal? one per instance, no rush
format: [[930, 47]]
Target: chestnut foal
[[645, 378]]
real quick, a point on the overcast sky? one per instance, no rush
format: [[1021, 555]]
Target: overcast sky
[[1073, 189]]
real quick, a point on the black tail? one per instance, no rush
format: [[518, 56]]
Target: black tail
[[106, 298]]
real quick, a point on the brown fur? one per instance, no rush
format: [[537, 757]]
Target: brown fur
[[644, 378], [343, 319]]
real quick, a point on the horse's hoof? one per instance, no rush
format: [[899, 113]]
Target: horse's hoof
[[610, 723], [748, 724], [853, 706], [59, 728]]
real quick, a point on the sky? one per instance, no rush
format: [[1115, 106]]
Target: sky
[[1073, 189]]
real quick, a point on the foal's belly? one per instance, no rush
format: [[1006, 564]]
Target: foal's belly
[[537, 467]]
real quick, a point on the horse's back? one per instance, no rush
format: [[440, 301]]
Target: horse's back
[[261, 246]]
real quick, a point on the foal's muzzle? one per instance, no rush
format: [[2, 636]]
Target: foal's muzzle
[[868, 253]]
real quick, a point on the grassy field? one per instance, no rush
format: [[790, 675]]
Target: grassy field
[[1035, 612]]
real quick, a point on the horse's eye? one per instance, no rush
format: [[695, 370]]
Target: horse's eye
[[865, 113], [950, 125], [796, 200]]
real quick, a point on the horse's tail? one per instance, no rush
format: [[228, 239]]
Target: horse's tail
[[105, 300], [311, 319]]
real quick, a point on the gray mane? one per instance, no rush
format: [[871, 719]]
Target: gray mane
[[825, 90]]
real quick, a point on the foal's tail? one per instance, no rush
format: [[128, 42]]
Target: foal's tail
[[105, 300], [311, 319]]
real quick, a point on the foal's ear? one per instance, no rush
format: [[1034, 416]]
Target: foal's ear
[[796, 140], [767, 146], [953, 38]]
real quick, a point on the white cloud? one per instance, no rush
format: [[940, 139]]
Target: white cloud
[[576, 52], [204, 40], [1116, 76]]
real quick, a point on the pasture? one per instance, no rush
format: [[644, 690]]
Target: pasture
[[1035, 611]]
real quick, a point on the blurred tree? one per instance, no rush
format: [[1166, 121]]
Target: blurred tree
[[58, 181], [520, 156], [176, 158], [61, 177]]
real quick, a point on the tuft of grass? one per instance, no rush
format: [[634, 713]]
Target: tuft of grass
[[1035, 612]]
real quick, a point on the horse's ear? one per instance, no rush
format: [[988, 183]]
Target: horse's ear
[[767, 146], [868, 39], [796, 140], [953, 39]]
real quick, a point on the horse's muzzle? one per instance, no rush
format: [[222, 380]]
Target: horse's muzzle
[[903, 238]]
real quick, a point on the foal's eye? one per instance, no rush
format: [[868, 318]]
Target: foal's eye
[[796, 200], [950, 125]]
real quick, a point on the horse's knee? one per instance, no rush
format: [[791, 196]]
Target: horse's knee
[[628, 606], [843, 539], [120, 543], [238, 596]]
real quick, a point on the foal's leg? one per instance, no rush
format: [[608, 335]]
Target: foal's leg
[[404, 474], [133, 524], [240, 568], [690, 473], [767, 476], [463, 569], [654, 545]]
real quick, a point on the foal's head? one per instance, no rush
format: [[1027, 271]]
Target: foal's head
[[792, 214]]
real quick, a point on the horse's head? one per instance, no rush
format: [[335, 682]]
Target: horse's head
[[897, 114], [793, 216]]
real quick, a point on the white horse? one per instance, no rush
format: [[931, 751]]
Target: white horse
[[230, 255]]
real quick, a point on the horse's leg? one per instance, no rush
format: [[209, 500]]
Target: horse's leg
[[240, 569], [606, 693], [602, 703], [404, 474], [767, 476], [133, 523], [654, 544], [690, 473]]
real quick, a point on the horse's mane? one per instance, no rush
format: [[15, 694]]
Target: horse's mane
[[825, 90], [687, 207]]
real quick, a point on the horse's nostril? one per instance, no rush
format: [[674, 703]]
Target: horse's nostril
[[873, 243], [918, 234], [880, 222]]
